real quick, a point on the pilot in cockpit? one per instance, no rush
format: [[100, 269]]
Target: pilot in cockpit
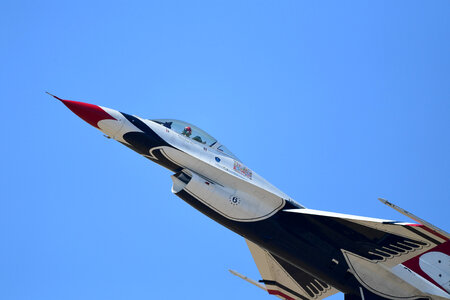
[[187, 131]]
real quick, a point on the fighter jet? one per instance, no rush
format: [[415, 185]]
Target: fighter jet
[[300, 253]]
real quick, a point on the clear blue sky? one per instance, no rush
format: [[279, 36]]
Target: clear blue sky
[[335, 102]]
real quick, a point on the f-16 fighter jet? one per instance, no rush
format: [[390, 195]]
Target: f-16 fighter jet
[[301, 253]]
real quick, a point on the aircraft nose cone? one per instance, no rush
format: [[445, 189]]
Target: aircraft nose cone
[[91, 113]]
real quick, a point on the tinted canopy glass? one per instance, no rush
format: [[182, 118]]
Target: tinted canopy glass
[[195, 133], [188, 130]]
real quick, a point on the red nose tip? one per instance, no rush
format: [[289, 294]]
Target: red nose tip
[[89, 112]]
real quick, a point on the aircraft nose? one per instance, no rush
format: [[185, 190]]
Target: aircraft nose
[[90, 113]]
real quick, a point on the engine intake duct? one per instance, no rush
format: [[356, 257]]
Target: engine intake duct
[[228, 201], [180, 180]]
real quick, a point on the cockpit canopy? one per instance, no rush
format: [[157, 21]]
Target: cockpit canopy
[[188, 130], [194, 133]]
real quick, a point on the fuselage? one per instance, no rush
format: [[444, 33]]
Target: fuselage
[[219, 185]]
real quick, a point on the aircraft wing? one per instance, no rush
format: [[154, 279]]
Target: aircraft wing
[[388, 257], [286, 281]]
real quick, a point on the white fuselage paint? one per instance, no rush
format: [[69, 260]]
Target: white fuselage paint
[[231, 203], [256, 199]]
